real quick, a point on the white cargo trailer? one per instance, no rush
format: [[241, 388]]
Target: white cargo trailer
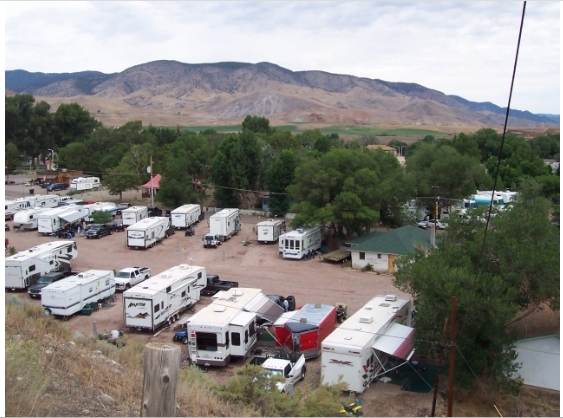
[[161, 299], [269, 231], [24, 268], [70, 295], [297, 243], [185, 216], [54, 220], [85, 183], [224, 224], [27, 219], [147, 232], [357, 352], [134, 214]]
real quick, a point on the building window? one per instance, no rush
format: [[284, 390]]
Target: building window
[[362, 255], [379, 256]]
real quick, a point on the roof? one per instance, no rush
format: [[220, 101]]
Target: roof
[[364, 238], [540, 361], [402, 240], [154, 182]]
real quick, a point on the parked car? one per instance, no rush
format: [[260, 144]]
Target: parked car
[[428, 224], [154, 211], [58, 186], [99, 230], [45, 185]]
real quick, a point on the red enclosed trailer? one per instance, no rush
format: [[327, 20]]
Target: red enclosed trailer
[[305, 329]]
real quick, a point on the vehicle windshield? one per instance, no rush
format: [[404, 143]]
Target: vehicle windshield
[[44, 280], [95, 227], [122, 275], [276, 372]]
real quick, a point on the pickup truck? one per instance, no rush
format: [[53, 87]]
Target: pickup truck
[[214, 285], [34, 290], [130, 276], [290, 367]]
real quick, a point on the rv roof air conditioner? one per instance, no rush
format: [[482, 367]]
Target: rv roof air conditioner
[[219, 308], [82, 275], [300, 230], [366, 319], [183, 266], [391, 298]]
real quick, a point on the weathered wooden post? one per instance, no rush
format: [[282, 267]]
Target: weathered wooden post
[[162, 365]]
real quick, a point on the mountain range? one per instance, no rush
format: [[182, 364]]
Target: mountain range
[[231, 90]]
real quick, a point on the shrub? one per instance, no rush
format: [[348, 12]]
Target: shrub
[[367, 267]]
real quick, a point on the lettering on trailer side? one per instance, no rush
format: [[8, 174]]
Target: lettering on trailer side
[[340, 362], [136, 304]]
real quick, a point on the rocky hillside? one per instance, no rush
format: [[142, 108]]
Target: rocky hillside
[[232, 90]]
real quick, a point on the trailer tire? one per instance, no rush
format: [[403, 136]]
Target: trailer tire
[[185, 340], [47, 312]]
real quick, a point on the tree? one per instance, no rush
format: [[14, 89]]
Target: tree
[[279, 176], [12, 158], [496, 282], [121, 178], [256, 124], [101, 217], [74, 156], [73, 123]]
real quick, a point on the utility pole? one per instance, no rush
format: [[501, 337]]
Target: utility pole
[[433, 413], [452, 363], [152, 187]]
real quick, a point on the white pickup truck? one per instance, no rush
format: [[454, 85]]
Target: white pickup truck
[[130, 276], [291, 371]]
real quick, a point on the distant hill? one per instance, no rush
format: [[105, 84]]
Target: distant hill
[[232, 90]]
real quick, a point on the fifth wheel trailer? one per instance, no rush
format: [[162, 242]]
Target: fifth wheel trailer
[[85, 183], [134, 214], [269, 231], [147, 232], [357, 351], [185, 216], [297, 243]]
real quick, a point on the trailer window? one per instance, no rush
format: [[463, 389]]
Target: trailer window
[[227, 339], [291, 244], [297, 245], [168, 289], [246, 336], [252, 330], [236, 338], [199, 275], [156, 308], [32, 268], [206, 341], [184, 293], [51, 262]]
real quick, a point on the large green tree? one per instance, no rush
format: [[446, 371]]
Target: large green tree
[[11, 158], [121, 178], [279, 176], [496, 281], [73, 123]]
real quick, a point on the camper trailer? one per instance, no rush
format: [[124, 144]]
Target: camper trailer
[[358, 350], [108, 207], [147, 232], [30, 202], [54, 220], [24, 268], [269, 231], [13, 206], [84, 183], [227, 327], [224, 224], [297, 243], [70, 295], [185, 216], [27, 219], [161, 299], [134, 214], [303, 330]]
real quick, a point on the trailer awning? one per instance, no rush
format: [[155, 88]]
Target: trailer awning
[[264, 307], [397, 342], [74, 216]]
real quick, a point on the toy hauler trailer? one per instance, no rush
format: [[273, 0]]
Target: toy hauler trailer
[[70, 295], [297, 243], [54, 220], [357, 351], [27, 219], [85, 183], [224, 224], [269, 231], [134, 214], [24, 268], [302, 331], [185, 216], [147, 232], [228, 326], [161, 299]]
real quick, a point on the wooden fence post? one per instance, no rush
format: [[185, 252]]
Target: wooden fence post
[[162, 365]]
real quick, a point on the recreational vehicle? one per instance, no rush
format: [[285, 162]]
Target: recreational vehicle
[[84, 183], [269, 231], [147, 232], [227, 327], [224, 224], [30, 202], [27, 219], [13, 206], [358, 350], [161, 299], [24, 268], [185, 216], [297, 243], [108, 207], [54, 220], [134, 214], [70, 295], [303, 330]]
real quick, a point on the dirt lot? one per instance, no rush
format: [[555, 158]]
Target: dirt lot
[[258, 266]]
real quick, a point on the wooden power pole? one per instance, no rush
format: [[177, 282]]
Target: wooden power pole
[[452, 363], [433, 413]]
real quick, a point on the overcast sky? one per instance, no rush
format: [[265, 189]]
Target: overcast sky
[[462, 48]]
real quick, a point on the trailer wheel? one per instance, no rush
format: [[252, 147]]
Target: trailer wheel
[[47, 311], [185, 340]]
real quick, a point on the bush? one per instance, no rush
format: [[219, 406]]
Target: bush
[[367, 267]]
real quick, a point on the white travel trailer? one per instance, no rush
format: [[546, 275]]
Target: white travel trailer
[[134, 214], [147, 232], [84, 183], [70, 295], [108, 207], [54, 220], [27, 219], [161, 299], [185, 216], [67, 200], [297, 243], [224, 224], [227, 327], [13, 206], [44, 201], [24, 268], [357, 352], [269, 231]]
